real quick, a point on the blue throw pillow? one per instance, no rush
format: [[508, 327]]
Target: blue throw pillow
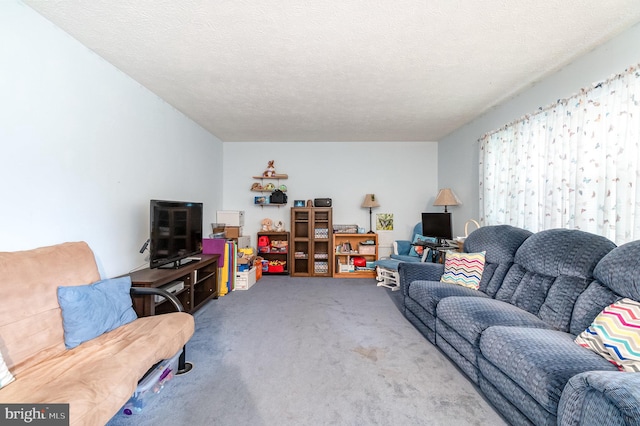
[[91, 310], [417, 251]]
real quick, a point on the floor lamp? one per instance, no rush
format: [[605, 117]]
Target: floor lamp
[[370, 202]]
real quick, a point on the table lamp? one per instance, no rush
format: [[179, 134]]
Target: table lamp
[[445, 198]]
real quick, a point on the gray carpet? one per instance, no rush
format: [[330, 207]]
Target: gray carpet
[[313, 351]]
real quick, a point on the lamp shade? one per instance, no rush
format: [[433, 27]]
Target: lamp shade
[[370, 201], [446, 197]]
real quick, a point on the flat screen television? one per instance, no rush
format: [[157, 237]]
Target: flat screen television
[[437, 225], [175, 234]]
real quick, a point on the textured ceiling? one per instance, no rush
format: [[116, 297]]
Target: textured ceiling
[[338, 70]]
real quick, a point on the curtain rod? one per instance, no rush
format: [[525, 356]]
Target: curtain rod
[[630, 70]]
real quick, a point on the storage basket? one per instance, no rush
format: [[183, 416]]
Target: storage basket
[[345, 229], [217, 228], [366, 248]]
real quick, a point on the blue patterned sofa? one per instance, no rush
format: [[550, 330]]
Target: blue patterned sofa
[[514, 337]]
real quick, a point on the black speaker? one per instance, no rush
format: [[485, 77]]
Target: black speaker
[[322, 202]]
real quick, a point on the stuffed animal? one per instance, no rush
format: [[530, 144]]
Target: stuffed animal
[[256, 187], [279, 226], [267, 224], [271, 170]]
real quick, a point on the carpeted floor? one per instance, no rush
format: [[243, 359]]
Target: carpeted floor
[[313, 351]]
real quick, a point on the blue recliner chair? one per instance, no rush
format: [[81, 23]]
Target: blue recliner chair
[[387, 268]]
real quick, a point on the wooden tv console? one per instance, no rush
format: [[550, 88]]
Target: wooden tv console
[[200, 280]]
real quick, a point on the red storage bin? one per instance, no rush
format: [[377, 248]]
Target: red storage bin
[[274, 269]]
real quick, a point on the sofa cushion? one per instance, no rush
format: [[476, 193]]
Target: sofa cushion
[[500, 243], [463, 269], [91, 310], [589, 304], [535, 362], [402, 247], [618, 276], [615, 335], [470, 316], [5, 375], [405, 258], [390, 264], [596, 397], [619, 270], [97, 377], [460, 321], [551, 269], [40, 272], [556, 252], [429, 293], [424, 296]]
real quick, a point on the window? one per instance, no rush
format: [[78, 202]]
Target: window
[[573, 164]]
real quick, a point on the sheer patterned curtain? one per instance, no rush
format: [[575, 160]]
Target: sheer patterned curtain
[[573, 164]]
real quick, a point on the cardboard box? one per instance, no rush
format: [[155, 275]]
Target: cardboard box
[[230, 217], [246, 258], [231, 232], [244, 280]]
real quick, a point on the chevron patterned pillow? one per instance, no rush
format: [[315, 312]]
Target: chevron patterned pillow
[[464, 269], [615, 335]]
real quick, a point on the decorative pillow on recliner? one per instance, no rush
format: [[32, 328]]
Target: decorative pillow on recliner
[[5, 375], [417, 251], [463, 269], [91, 310], [615, 335]]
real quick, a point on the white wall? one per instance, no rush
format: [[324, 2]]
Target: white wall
[[84, 147], [402, 175], [458, 153]]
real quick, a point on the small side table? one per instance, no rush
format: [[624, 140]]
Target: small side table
[[437, 251]]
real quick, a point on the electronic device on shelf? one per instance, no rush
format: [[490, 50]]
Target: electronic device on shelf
[[437, 225], [172, 287], [175, 233]]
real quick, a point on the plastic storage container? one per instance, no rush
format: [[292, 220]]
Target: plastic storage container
[[151, 385]]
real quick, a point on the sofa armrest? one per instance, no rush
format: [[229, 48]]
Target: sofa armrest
[[143, 291], [414, 271], [600, 397], [401, 247]]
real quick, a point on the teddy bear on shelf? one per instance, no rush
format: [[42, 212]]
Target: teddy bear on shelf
[[279, 226], [267, 224], [271, 170]]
